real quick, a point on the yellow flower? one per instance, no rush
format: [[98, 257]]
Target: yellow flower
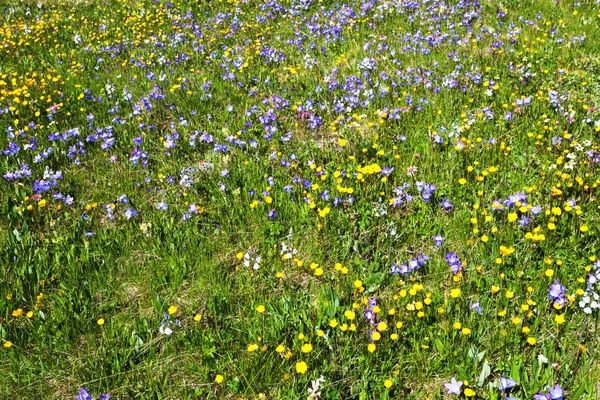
[[239, 255], [42, 203], [219, 378], [350, 315], [469, 392], [532, 341], [280, 349], [307, 348], [333, 323], [583, 228], [357, 283], [252, 347], [454, 293], [462, 181], [549, 273], [512, 217], [301, 367], [376, 336], [7, 344], [324, 211], [556, 210], [457, 325], [388, 383], [172, 310], [510, 294], [466, 331], [371, 347], [100, 321], [560, 319], [197, 317], [260, 309]]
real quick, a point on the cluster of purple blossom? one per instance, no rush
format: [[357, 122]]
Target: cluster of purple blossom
[[454, 262], [415, 264], [85, 395], [556, 293]]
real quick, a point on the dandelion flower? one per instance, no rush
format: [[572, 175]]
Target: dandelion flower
[[301, 367]]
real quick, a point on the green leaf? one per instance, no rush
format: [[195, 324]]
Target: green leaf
[[485, 372]]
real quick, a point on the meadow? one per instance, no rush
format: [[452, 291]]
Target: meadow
[[299, 199]]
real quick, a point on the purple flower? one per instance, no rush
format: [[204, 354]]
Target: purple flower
[[506, 383], [272, 214], [454, 386], [556, 392], [83, 395], [438, 240], [386, 171], [447, 205], [556, 293], [541, 396], [476, 307], [162, 206], [453, 261], [129, 213]]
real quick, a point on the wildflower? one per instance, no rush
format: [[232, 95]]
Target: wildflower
[[560, 319], [219, 378], [314, 391], [454, 386], [260, 309], [172, 310], [556, 392], [301, 367], [531, 341], [85, 395], [8, 344], [438, 240], [556, 293], [100, 321], [470, 392], [453, 261], [307, 348], [506, 383]]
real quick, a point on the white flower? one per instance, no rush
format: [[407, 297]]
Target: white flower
[[165, 330], [542, 359], [313, 392]]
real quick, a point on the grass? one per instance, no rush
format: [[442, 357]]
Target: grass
[[248, 193]]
